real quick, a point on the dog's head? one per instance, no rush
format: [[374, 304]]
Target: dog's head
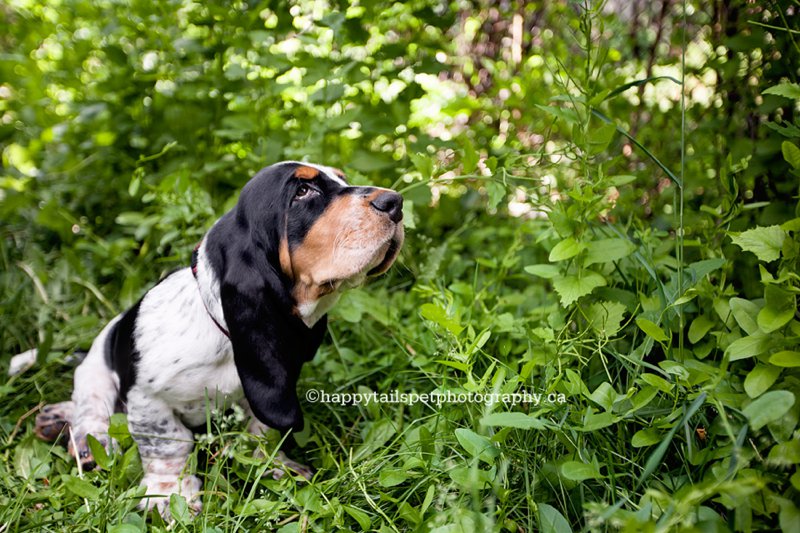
[[297, 236]]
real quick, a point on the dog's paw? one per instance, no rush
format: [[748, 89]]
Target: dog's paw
[[286, 465], [159, 488], [52, 422]]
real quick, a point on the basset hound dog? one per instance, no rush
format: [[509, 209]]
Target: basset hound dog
[[234, 327]]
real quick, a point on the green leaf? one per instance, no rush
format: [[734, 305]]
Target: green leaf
[[778, 310], [551, 521], [785, 89], [571, 288], [29, 462], [566, 249], [791, 153], [619, 181], [513, 419], [428, 499], [699, 327], [124, 528], [594, 421], [786, 359], [359, 516], [543, 271], [496, 192], [471, 477], [567, 115], [658, 382], [606, 317], [437, 314], [579, 471], [98, 452], [604, 395], [760, 379], [477, 445], [645, 437], [607, 250], [747, 347], [409, 217], [80, 487], [423, 163], [700, 269], [600, 137], [655, 458], [785, 453], [651, 329], [118, 429], [764, 242], [745, 313], [470, 160], [767, 408], [789, 517], [390, 477], [179, 509]]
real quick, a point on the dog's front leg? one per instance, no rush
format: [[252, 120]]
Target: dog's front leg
[[164, 446], [256, 427]]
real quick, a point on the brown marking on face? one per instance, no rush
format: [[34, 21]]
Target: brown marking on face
[[338, 173], [306, 173], [350, 240], [285, 258], [316, 253]]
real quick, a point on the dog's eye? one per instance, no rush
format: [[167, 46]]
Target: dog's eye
[[302, 191]]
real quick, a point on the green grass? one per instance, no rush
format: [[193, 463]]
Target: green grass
[[660, 303]]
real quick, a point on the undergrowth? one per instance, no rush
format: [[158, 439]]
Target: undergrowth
[[633, 352]]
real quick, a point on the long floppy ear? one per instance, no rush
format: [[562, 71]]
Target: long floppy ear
[[270, 343], [270, 346]]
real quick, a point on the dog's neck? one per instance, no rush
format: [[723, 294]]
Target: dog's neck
[[209, 285]]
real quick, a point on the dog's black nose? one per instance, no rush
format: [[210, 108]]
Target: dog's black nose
[[390, 203]]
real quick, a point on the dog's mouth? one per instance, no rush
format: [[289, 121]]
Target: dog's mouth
[[392, 251]]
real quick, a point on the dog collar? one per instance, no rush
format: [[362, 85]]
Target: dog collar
[[194, 263]]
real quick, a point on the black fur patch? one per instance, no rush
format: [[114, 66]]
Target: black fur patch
[[121, 353]]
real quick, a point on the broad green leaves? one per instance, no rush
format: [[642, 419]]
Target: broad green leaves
[[607, 250], [580, 471], [768, 407], [698, 328], [764, 242], [571, 288], [785, 358], [606, 317], [543, 271], [779, 308], [597, 251], [787, 90], [437, 314], [551, 520], [748, 347], [760, 379], [566, 249], [791, 153], [476, 445], [651, 329], [80, 487]]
